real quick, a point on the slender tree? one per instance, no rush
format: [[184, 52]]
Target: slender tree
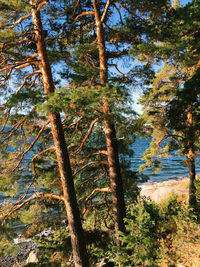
[[172, 40], [119, 208]]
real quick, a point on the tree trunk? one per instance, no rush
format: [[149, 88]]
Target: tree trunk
[[192, 176], [119, 208], [191, 158], [70, 201]]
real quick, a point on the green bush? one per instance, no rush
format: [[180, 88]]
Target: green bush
[[139, 243]]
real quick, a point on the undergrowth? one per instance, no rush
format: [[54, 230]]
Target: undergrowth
[[164, 235]]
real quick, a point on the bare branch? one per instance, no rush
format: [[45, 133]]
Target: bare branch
[[86, 13], [73, 123], [34, 80], [86, 137], [77, 3], [40, 6], [20, 66], [133, 13], [7, 76], [27, 201], [107, 210], [105, 11], [93, 154], [119, 13], [43, 152], [21, 156], [18, 124], [19, 21], [94, 180], [116, 67], [5, 121], [38, 155], [96, 190], [117, 54], [22, 41], [88, 164], [25, 80]]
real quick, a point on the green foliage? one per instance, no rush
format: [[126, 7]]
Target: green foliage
[[6, 242], [159, 235], [138, 244], [180, 239], [55, 250]]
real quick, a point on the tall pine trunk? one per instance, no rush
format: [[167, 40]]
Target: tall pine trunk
[[70, 201], [191, 158], [192, 176], [119, 208]]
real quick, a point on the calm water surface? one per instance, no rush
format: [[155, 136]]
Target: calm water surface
[[173, 166]]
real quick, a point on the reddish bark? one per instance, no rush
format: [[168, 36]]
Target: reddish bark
[[70, 201], [119, 208]]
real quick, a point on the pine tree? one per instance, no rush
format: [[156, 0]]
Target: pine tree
[[96, 73], [43, 66], [171, 105]]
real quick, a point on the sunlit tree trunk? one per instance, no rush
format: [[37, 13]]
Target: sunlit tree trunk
[[110, 133], [70, 201]]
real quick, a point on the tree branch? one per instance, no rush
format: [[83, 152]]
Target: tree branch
[[88, 164], [107, 211], [93, 154], [86, 13], [5, 121], [132, 13], [19, 21], [105, 11], [21, 156], [17, 125], [25, 80], [96, 190], [86, 137], [116, 54], [20, 66], [27, 201]]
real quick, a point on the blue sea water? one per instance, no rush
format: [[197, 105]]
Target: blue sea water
[[174, 167]]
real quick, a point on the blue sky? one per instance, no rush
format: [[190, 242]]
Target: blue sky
[[183, 2]]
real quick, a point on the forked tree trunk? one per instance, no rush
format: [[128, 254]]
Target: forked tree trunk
[[191, 159], [70, 201], [119, 208]]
